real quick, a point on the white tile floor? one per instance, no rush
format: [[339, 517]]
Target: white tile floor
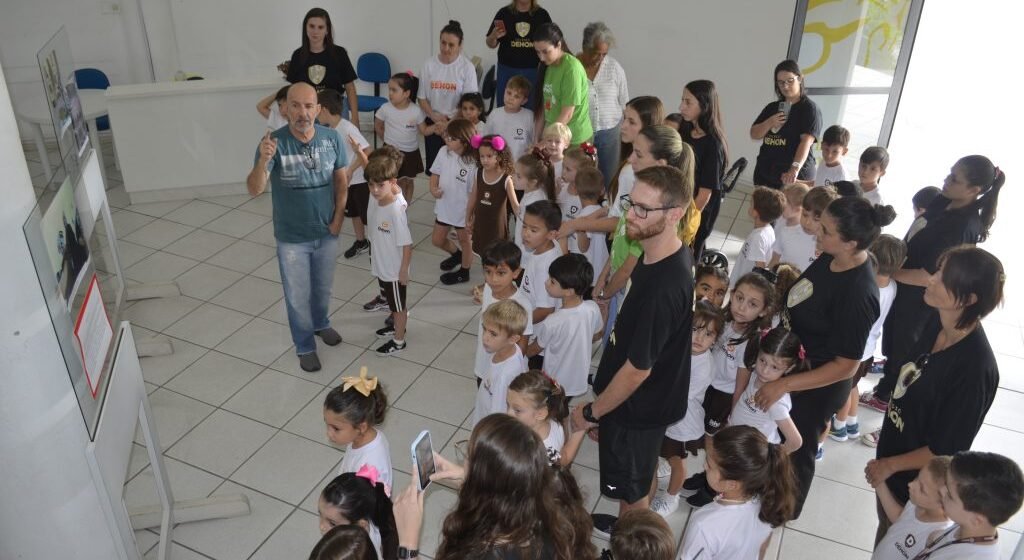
[[236, 414]]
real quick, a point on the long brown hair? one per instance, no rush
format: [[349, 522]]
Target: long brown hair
[[710, 118], [651, 112], [570, 500], [538, 168], [507, 498], [744, 455], [304, 51], [979, 171]]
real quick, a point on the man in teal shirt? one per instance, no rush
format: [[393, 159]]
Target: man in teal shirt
[[305, 164]]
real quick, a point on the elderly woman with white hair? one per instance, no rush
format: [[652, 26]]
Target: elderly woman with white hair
[[608, 94]]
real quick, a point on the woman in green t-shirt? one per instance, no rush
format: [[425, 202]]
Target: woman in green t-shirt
[[565, 93]]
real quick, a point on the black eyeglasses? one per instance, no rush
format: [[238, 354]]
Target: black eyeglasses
[[310, 159], [625, 203], [786, 82]]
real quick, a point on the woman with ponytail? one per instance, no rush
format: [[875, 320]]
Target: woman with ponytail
[[831, 308], [962, 215], [756, 492]]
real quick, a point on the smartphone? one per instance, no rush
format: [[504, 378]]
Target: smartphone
[[784, 107], [499, 24], [423, 458]]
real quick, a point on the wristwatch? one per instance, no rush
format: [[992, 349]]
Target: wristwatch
[[588, 413], [406, 553]]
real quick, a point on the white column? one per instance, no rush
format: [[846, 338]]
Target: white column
[[50, 507]]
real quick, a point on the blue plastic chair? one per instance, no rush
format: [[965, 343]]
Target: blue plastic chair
[[93, 78], [374, 68]]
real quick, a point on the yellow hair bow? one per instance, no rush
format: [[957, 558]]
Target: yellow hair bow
[[362, 384]]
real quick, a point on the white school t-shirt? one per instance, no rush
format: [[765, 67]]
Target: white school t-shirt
[[886, 296], [493, 391], [597, 253], [725, 532], [567, 339], [528, 199], [874, 196], [757, 247], [443, 84], [794, 245], [377, 454], [275, 119], [455, 177], [515, 128], [826, 175], [746, 413], [387, 228], [907, 536], [482, 362], [555, 441], [726, 358], [962, 551], [536, 273], [691, 426], [569, 204], [626, 180], [401, 126], [346, 129]]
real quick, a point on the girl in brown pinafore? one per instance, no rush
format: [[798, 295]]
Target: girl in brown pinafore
[[493, 192]]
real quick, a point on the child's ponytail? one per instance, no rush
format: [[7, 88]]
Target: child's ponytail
[[544, 392], [360, 497], [778, 495], [408, 82], [779, 342], [744, 455], [538, 167]]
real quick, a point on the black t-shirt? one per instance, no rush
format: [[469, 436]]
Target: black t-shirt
[[653, 332], [832, 312], [778, 149], [515, 49], [941, 403], [330, 69], [709, 158]]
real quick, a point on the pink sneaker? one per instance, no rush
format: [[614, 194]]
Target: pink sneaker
[[868, 399], [870, 439]]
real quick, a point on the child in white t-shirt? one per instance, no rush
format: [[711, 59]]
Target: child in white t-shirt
[[503, 326], [573, 160], [501, 264], [471, 108], [540, 229], [400, 122], [835, 143], [873, 163], [272, 107], [534, 181], [765, 207], [352, 412], [331, 104], [359, 498], [920, 517], [392, 248], [537, 400], [451, 181], [887, 254], [756, 491], [566, 336], [767, 358], [686, 436], [555, 139], [513, 122], [588, 185], [792, 244]]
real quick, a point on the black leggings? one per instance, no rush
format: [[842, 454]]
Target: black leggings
[[707, 224], [811, 409]]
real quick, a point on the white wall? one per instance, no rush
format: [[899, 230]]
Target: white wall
[[662, 46]]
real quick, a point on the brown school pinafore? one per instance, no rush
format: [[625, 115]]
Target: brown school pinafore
[[490, 211]]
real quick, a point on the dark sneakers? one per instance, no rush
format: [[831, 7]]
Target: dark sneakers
[[455, 277], [454, 260], [391, 347], [357, 248], [603, 524], [309, 362], [329, 336]]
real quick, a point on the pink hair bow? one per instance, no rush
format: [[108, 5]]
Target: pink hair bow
[[496, 142], [801, 353], [369, 472]]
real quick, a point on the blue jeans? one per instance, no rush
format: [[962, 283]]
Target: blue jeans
[[503, 74], [307, 272], [608, 143], [613, 312]]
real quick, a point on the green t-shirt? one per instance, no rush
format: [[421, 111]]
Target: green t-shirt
[[623, 246], [302, 183], [566, 84]]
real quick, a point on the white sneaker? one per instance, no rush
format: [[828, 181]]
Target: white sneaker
[[664, 469], [665, 504]]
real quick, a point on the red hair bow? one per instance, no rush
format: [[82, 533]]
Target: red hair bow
[[589, 149]]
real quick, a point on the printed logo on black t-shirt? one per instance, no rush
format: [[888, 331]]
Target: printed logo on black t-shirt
[[316, 73], [800, 292]]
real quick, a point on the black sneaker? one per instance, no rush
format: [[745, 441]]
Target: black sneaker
[[693, 484], [454, 260], [387, 332], [701, 498], [604, 524], [357, 248], [391, 347], [390, 321], [606, 554], [376, 304], [309, 362], [455, 277]]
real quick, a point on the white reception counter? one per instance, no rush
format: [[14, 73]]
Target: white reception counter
[[179, 140]]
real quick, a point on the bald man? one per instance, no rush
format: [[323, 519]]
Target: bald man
[[305, 164]]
